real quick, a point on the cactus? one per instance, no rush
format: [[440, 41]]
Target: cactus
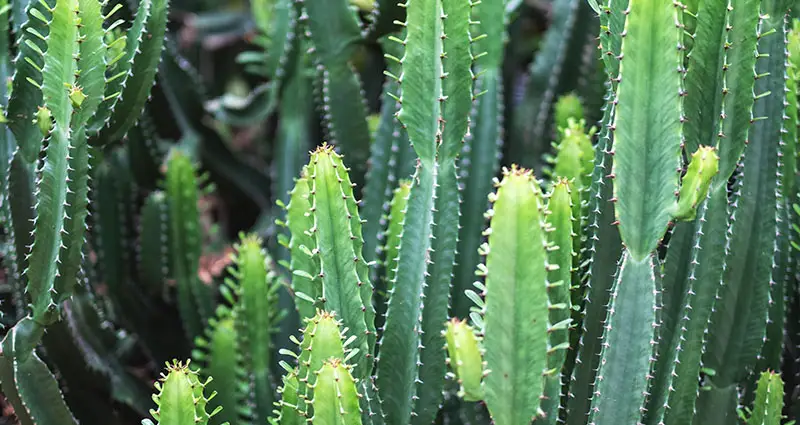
[[769, 401], [411, 365], [220, 355], [194, 298], [465, 358], [653, 256], [335, 399], [181, 397], [337, 268], [480, 156], [258, 316]]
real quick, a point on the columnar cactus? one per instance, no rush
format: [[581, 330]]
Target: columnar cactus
[[645, 279]]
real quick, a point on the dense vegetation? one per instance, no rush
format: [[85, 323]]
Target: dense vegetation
[[342, 212]]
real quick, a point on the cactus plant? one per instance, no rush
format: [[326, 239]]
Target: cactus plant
[[639, 269]]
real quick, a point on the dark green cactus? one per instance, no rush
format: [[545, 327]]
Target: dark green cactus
[[195, 299]]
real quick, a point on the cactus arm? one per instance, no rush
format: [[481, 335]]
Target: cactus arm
[[256, 317], [144, 56], [59, 69], [647, 125], [399, 352], [277, 23], [195, 300], [380, 176], [28, 383], [560, 234], [705, 74], [117, 74], [25, 96], [76, 211], [88, 93], [457, 90], [515, 331], [769, 400], [334, 31], [345, 113], [602, 251], [393, 235], [783, 269], [305, 267], [322, 340], [693, 268], [153, 264], [287, 408], [480, 160], [294, 137], [465, 359], [146, 152], [338, 246], [180, 398], [740, 317], [91, 63], [436, 89], [691, 310], [219, 352], [335, 397], [371, 407], [421, 87], [739, 82], [627, 351], [703, 167]]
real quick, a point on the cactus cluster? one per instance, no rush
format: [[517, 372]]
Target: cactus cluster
[[449, 231]]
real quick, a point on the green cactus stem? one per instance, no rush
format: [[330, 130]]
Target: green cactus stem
[[391, 249], [180, 397], [322, 340], [560, 261], [27, 382], [153, 264], [647, 120], [304, 266], [465, 359], [220, 353], [435, 89], [336, 231], [515, 321], [627, 351], [255, 285], [567, 107], [768, 406], [287, 410], [195, 299], [335, 397], [129, 83]]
